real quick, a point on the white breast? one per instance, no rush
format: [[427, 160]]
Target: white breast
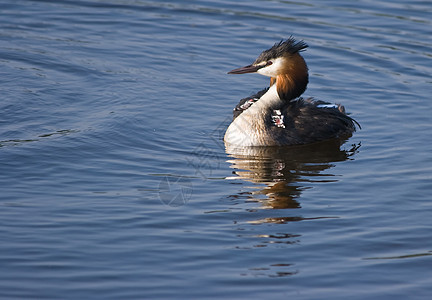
[[249, 128]]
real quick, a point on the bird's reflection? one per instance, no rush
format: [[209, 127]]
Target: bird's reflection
[[287, 171], [278, 176]]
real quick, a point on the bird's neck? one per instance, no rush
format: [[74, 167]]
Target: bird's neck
[[270, 99], [292, 82]]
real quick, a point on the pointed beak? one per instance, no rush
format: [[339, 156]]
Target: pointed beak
[[247, 69]]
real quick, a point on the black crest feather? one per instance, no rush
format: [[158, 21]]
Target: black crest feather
[[289, 46]]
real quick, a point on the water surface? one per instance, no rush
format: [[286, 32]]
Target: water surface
[[115, 183]]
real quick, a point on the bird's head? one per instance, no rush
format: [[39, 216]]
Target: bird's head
[[283, 64]]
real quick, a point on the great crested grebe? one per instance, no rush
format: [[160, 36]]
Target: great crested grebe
[[276, 116]]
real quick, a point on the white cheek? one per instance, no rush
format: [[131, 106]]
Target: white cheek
[[273, 69]]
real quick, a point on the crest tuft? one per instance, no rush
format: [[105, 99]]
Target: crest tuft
[[289, 46]]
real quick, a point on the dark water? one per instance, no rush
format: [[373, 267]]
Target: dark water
[[115, 183]]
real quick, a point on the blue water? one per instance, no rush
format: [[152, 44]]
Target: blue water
[[115, 183]]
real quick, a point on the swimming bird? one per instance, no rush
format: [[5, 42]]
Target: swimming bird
[[277, 115]]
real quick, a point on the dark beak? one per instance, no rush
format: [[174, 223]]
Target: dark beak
[[247, 69]]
